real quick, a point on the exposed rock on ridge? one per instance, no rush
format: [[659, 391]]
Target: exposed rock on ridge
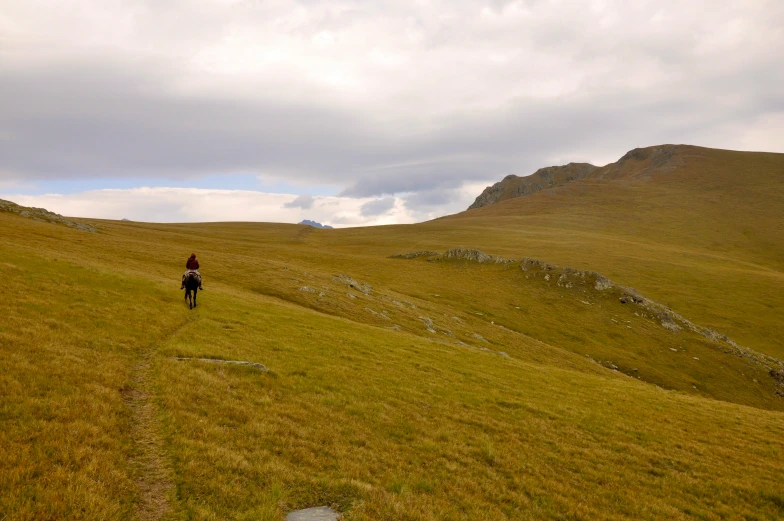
[[639, 164], [643, 163], [514, 186], [42, 215], [567, 277]]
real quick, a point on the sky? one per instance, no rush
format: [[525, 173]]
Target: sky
[[362, 112]]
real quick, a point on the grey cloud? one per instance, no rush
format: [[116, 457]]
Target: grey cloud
[[377, 207], [430, 198], [117, 117], [303, 201], [56, 127]]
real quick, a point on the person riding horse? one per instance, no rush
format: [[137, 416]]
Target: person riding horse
[[191, 267]]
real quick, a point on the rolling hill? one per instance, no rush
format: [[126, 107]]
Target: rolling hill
[[607, 348]]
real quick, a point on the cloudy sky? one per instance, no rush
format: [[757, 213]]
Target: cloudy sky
[[355, 112]]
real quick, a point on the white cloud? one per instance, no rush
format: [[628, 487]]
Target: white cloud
[[202, 205]]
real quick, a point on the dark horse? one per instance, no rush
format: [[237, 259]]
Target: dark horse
[[191, 289]]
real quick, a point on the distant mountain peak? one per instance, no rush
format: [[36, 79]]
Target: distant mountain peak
[[314, 224]]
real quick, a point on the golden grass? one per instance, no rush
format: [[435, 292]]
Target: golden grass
[[383, 423]]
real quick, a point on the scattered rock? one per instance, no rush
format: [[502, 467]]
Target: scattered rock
[[778, 381], [603, 283], [415, 254], [528, 264], [669, 324], [469, 255], [564, 282], [382, 314], [348, 281], [479, 337], [313, 514], [590, 280], [307, 289], [428, 324], [229, 362]]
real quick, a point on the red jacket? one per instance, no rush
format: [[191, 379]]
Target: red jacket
[[192, 264]]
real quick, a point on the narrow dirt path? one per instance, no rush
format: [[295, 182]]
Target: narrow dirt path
[[151, 469]]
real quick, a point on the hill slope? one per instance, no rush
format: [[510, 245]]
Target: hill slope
[[428, 387], [705, 238]]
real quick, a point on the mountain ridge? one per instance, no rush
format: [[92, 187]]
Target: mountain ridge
[[513, 186], [639, 164]]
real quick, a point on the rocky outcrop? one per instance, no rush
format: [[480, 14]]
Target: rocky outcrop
[[351, 283], [473, 256], [43, 215], [415, 254], [514, 186], [255, 365], [644, 163], [639, 164], [566, 277]]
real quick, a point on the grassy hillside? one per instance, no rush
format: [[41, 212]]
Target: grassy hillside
[[423, 388], [705, 237]]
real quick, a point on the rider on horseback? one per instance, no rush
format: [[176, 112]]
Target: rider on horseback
[[191, 267]]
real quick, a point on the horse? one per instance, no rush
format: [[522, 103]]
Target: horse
[[191, 288]]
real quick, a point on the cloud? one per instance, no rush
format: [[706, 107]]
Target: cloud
[[161, 204], [377, 99], [377, 207], [302, 201], [430, 198]]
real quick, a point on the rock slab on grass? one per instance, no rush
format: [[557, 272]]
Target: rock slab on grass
[[313, 514]]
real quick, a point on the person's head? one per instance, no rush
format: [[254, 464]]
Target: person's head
[[193, 255]]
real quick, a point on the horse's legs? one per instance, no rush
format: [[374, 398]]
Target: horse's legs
[[195, 292]]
